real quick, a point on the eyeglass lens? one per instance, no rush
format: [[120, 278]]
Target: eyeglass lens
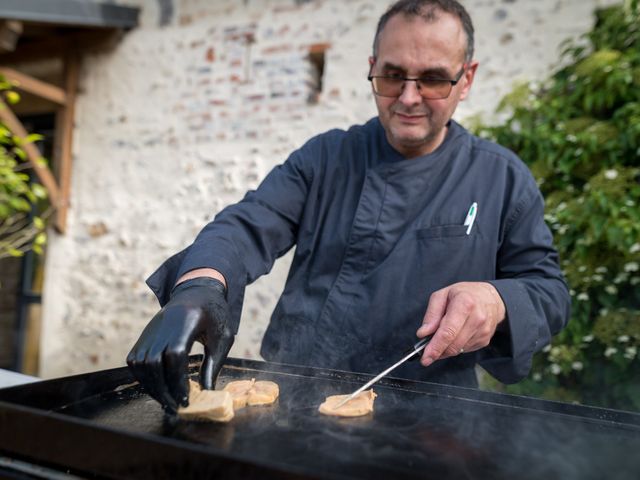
[[428, 88]]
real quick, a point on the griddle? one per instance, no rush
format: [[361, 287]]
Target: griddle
[[103, 425]]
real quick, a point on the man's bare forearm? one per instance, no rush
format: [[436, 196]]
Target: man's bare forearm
[[202, 272]]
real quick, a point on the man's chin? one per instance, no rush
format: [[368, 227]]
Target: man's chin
[[409, 132], [412, 143], [413, 139]]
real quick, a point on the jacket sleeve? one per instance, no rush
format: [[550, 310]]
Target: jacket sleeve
[[533, 289], [244, 240]]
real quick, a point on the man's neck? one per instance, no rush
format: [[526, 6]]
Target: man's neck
[[424, 148]]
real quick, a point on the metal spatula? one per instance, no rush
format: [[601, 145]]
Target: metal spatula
[[417, 348]]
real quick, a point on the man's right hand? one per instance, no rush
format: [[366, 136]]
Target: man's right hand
[[196, 311]]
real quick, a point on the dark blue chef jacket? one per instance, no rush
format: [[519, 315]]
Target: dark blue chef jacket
[[375, 235]]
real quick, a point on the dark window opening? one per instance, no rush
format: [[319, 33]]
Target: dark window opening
[[317, 61]]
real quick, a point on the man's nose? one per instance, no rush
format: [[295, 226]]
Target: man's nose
[[410, 94]]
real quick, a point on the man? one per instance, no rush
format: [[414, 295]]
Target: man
[[407, 222]]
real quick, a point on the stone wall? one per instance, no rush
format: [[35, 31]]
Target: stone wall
[[194, 107]]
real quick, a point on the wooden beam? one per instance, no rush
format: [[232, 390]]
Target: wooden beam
[[58, 46], [32, 85], [33, 327], [31, 351], [64, 124], [33, 153]]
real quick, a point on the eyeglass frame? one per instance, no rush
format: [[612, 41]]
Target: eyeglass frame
[[453, 82]]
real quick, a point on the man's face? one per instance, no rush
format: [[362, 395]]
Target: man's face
[[412, 47]]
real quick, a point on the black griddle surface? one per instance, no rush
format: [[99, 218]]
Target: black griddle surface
[[106, 426]]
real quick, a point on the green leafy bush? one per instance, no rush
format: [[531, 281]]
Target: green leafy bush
[[20, 230], [579, 132]]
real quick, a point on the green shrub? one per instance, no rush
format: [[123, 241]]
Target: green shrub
[[20, 229], [579, 132]]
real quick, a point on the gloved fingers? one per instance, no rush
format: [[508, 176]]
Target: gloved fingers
[[176, 374], [137, 355], [141, 370], [207, 370], [148, 369], [155, 371], [165, 363], [145, 361], [154, 368], [215, 353], [176, 354]]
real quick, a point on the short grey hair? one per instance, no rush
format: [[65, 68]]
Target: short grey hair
[[428, 10]]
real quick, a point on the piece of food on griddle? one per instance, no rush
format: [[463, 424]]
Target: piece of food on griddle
[[359, 405], [239, 390], [263, 392], [207, 405], [252, 392]]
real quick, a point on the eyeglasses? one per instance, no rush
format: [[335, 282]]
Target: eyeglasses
[[429, 87]]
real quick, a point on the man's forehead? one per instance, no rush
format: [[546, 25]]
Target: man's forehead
[[443, 32]]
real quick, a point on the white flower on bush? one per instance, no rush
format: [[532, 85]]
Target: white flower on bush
[[587, 338], [582, 269], [537, 377], [611, 289], [631, 267], [547, 349], [611, 174], [577, 366], [584, 296], [597, 278], [620, 278], [623, 338], [630, 353], [602, 269], [634, 248], [555, 369], [610, 351]]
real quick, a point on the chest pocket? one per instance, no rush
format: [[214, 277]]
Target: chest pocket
[[445, 254], [444, 231]]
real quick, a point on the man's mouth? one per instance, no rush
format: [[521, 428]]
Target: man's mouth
[[410, 117]]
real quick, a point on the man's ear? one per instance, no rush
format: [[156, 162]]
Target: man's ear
[[469, 75]]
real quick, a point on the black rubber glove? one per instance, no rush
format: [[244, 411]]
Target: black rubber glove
[[197, 311]]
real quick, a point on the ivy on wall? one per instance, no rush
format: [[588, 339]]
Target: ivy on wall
[[579, 132]]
